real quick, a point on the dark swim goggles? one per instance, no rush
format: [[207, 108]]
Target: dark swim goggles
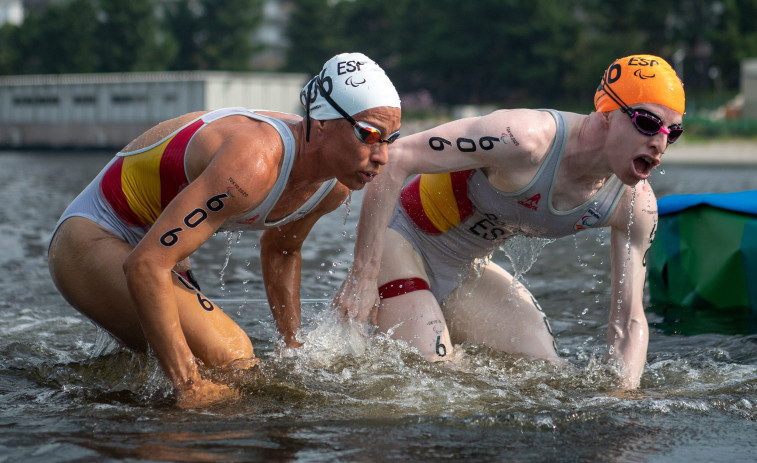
[[645, 122], [364, 131]]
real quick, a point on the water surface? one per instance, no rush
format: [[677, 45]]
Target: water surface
[[68, 395]]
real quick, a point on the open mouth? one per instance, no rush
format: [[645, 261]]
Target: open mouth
[[643, 166], [367, 176]]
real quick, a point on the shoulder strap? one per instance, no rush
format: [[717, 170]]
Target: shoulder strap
[[308, 205], [260, 213]]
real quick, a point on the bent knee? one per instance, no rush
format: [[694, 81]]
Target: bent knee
[[239, 348], [235, 346]]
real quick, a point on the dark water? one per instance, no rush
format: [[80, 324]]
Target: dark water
[[67, 395]]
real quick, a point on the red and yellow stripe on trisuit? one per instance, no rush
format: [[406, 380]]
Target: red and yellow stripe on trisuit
[[139, 186], [437, 202]]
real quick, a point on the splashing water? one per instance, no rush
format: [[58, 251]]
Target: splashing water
[[523, 251], [593, 263], [231, 238], [331, 338], [348, 207]]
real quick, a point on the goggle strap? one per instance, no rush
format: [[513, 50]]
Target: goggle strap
[[308, 100], [333, 104], [614, 96], [307, 132]]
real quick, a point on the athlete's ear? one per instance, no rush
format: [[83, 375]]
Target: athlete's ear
[[321, 125], [605, 118]]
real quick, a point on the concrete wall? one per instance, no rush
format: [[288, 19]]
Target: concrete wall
[[109, 110], [749, 87], [276, 92]]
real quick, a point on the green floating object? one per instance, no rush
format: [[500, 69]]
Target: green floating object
[[702, 266]]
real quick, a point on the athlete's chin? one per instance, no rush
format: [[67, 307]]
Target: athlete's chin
[[632, 181], [358, 180], [638, 177], [353, 182]]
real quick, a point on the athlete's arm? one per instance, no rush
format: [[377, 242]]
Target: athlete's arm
[[634, 225], [281, 259], [493, 140], [184, 225]]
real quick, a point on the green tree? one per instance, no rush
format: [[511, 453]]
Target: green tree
[[733, 37], [127, 37], [58, 39], [182, 20], [9, 49], [214, 35], [227, 36], [488, 51], [372, 28], [315, 35]]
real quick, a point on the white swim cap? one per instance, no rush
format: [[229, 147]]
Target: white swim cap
[[354, 82]]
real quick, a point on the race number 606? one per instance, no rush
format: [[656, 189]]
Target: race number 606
[[193, 219]]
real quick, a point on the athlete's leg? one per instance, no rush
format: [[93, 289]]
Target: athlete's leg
[[85, 262], [413, 316], [498, 311], [86, 265], [213, 337]]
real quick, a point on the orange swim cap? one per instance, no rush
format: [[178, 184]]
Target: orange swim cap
[[640, 79]]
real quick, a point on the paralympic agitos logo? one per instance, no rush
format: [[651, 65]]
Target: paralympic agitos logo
[[349, 81], [640, 74]]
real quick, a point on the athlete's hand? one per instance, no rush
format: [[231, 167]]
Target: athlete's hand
[[357, 299], [200, 392]]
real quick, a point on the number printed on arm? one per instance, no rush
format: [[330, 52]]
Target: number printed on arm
[[465, 145], [193, 219]]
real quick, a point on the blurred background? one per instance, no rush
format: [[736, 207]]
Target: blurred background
[[447, 58]]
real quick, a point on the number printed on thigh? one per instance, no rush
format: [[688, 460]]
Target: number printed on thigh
[[441, 349], [204, 302]]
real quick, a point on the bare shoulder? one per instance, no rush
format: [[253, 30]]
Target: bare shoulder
[[637, 208], [161, 130], [236, 154], [240, 144]]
